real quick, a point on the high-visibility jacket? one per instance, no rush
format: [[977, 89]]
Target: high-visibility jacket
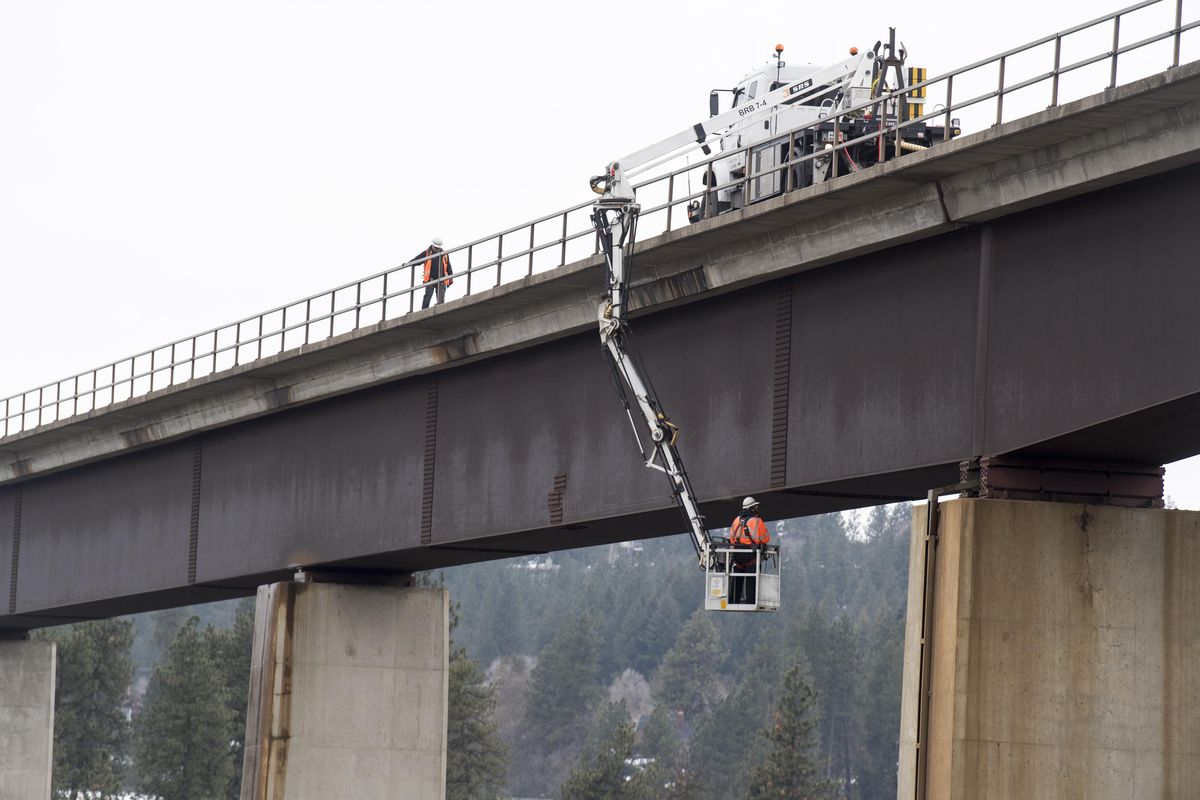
[[436, 267], [748, 530]]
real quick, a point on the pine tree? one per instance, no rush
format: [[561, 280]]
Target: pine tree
[[653, 633], [232, 650], [662, 745], [90, 731], [833, 647], [719, 753], [687, 679], [181, 738], [563, 690], [164, 625], [601, 773], [879, 705], [790, 770], [725, 746], [476, 759], [564, 684], [660, 739]]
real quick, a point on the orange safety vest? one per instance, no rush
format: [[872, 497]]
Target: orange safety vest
[[748, 531], [445, 271]]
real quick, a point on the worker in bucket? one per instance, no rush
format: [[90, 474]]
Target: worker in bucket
[[437, 269], [748, 530]]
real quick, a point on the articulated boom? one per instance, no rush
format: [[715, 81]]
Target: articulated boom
[[615, 220], [614, 217], [738, 577]]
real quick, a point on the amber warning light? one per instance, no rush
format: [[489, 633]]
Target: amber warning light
[[778, 48], [853, 51]]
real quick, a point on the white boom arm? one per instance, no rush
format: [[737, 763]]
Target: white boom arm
[[615, 218], [837, 76]]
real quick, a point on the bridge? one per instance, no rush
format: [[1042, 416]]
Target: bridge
[[1024, 293]]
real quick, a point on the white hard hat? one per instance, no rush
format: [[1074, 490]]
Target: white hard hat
[[437, 241], [749, 503]]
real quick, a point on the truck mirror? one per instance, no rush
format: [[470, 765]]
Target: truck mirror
[[714, 105]]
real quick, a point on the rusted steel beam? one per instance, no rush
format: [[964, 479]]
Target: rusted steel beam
[[1132, 485]]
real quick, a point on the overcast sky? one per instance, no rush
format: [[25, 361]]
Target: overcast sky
[[169, 166]]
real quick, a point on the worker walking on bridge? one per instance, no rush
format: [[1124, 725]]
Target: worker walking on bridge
[[748, 530], [437, 269]]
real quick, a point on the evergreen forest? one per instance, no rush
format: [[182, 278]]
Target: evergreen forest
[[584, 675]]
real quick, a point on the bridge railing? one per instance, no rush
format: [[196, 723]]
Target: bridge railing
[[1044, 73]]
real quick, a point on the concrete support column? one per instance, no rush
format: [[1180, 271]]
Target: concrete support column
[[26, 719], [1065, 653], [348, 693]]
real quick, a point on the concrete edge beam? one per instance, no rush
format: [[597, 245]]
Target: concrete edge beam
[[1099, 159]]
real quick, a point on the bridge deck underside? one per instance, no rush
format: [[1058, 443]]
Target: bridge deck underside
[[1066, 330]]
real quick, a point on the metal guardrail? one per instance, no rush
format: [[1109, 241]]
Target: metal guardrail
[[552, 241]]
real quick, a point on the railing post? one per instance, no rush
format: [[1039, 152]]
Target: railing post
[[383, 315], [747, 176], [412, 287], [1057, 64], [949, 108], [670, 198], [837, 140], [896, 150], [901, 115], [499, 257], [470, 268], [787, 178], [357, 308], [1178, 30], [529, 271], [564, 238], [1000, 93], [1112, 81]]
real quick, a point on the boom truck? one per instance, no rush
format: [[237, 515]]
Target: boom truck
[[775, 119], [811, 123]]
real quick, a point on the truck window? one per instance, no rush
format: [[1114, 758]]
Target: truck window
[[752, 91]]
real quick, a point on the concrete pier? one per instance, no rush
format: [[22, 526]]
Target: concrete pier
[[27, 675], [1065, 653], [348, 693]]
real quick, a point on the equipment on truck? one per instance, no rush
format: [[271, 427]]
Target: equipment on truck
[[766, 108], [810, 124]]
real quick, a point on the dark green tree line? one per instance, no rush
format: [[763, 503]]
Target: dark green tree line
[[91, 686], [182, 745]]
